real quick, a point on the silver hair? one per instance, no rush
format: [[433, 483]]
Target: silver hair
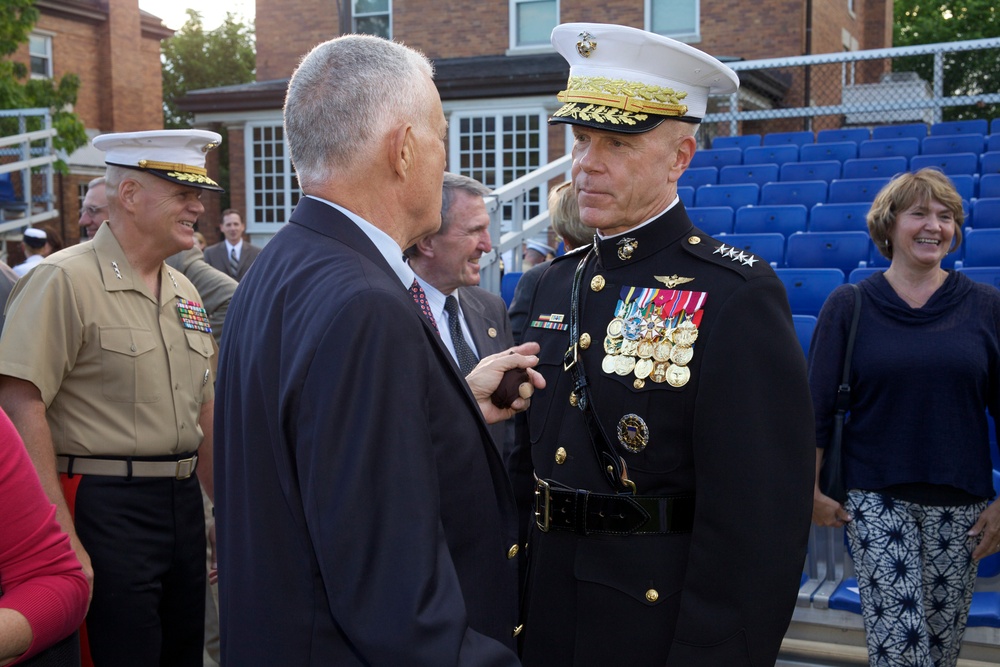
[[95, 182], [343, 98], [457, 183]]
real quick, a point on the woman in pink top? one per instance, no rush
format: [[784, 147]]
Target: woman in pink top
[[43, 591]]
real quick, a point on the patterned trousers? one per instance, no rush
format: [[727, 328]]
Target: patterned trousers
[[915, 575]]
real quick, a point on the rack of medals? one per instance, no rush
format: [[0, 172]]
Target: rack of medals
[[652, 335]]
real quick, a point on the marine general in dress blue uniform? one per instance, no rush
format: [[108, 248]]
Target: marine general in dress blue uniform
[[671, 449]]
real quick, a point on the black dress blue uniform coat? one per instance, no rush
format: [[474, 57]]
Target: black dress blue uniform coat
[[364, 515], [738, 436]]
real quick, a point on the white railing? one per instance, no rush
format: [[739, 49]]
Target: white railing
[[30, 207]]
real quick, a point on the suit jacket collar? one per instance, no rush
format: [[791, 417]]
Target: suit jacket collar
[[479, 319]]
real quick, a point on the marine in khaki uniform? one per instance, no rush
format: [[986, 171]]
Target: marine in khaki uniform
[[106, 369], [673, 441]]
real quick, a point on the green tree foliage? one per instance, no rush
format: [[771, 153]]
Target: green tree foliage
[[194, 59], [18, 91], [966, 73]]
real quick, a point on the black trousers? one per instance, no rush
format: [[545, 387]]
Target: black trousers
[[146, 539]]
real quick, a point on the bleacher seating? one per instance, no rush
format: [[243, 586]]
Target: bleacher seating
[[855, 134], [986, 212], [838, 250], [989, 185], [769, 247], [989, 275], [840, 151], [807, 289], [847, 190], [989, 163], [982, 247], [965, 184], [906, 130], [686, 194], [712, 220], [748, 173], [734, 195], [823, 170], [784, 138], [904, 146], [951, 127], [995, 126], [806, 193], [848, 217], [874, 167], [716, 157], [740, 141], [783, 219], [862, 272], [993, 142], [778, 155], [953, 143], [949, 163], [507, 284], [804, 326], [699, 176]]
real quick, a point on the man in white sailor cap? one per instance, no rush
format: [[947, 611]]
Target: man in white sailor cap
[[115, 401], [33, 242], [666, 469]]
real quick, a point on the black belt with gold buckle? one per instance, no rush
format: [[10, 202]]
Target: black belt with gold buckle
[[588, 513]]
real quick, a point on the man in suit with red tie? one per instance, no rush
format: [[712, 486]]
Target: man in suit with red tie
[[233, 255]]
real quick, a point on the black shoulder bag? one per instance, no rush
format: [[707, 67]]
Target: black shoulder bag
[[831, 474]]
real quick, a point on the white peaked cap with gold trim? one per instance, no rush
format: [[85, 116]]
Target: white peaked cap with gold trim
[[624, 79], [174, 155]]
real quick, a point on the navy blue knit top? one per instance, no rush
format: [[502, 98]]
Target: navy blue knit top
[[921, 382]]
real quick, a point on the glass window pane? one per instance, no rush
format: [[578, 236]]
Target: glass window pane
[[370, 6], [39, 66], [372, 25], [535, 21], [674, 17]]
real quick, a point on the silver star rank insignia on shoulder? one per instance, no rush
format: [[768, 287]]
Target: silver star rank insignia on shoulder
[[672, 281], [734, 254]]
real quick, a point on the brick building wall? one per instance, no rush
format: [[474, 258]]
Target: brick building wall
[[287, 30]]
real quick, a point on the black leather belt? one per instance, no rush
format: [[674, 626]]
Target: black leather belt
[[609, 514]]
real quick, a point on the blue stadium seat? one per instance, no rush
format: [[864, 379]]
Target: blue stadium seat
[[712, 220], [778, 155], [993, 142], [807, 289], [699, 176], [954, 143], [850, 217], [989, 163], [716, 157], [949, 163], [735, 195], [862, 272], [507, 285], [951, 127], [904, 146], [986, 213], [740, 141], [965, 184], [872, 167], [768, 247], [825, 170], [840, 151], [686, 193], [748, 173], [907, 130], [877, 259], [855, 134], [855, 189], [784, 138], [982, 247], [806, 193], [836, 250], [995, 126], [989, 185], [984, 612], [989, 275], [804, 326], [783, 219]]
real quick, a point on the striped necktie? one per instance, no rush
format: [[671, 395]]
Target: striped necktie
[[234, 262]]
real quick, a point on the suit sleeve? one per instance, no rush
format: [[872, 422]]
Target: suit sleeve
[[520, 304], [370, 493], [754, 452]]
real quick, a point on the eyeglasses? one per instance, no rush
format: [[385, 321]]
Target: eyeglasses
[[92, 211]]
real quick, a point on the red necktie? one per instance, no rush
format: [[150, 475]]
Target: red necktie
[[417, 292]]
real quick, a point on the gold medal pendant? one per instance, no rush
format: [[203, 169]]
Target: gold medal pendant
[[624, 365], [633, 433], [616, 327], [659, 372], [678, 376], [608, 364], [643, 368]]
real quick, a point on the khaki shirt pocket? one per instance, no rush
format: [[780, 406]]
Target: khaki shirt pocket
[[128, 365], [202, 366]]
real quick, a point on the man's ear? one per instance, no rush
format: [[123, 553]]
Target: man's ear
[[401, 150], [128, 190], [426, 245], [685, 151]]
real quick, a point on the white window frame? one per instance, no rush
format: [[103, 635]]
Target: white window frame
[[46, 38], [527, 48], [354, 16], [284, 187], [690, 37]]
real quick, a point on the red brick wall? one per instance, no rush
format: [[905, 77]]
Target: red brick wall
[[288, 29]]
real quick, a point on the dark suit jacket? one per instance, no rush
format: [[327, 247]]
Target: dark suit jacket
[[216, 257], [364, 517], [485, 312]]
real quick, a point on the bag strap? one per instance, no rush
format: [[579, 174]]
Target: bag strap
[[844, 390]]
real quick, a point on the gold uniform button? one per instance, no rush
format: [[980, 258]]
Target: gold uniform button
[[491, 332], [560, 456], [584, 341], [652, 595], [518, 629], [694, 240], [573, 400], [512, 551], [639, 383], [597, 283]]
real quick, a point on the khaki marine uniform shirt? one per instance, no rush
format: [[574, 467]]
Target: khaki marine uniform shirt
[[118, 372]]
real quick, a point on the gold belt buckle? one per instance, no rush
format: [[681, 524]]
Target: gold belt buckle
[[186, 467], [542, 498]]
